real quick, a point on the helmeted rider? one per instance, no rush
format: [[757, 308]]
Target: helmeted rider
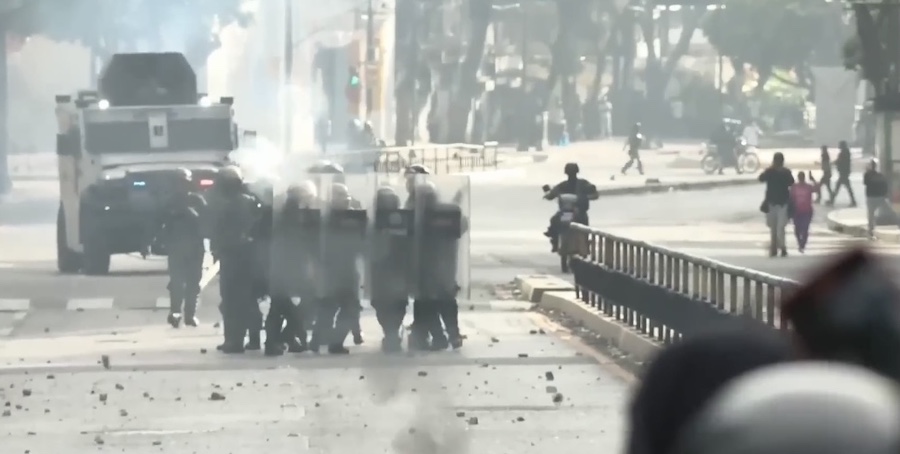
[[584, 189]]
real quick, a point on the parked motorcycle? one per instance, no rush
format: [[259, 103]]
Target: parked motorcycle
[[747, 159], [571, 243]]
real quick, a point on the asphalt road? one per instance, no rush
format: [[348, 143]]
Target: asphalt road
[[507, 213]]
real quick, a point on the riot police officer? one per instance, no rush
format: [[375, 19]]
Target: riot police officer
[[231, 242], [389, 261], [293, 259], [435, 286], [183, 235], [337, 175], [339, 305]]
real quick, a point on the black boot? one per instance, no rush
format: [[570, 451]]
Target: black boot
[[174, 319], [294, 346], [253, 341], [337, 349], [190, 316], [391, 344], [273, 348], [232, 348]]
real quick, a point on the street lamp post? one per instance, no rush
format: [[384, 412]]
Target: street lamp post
[[288, 75]]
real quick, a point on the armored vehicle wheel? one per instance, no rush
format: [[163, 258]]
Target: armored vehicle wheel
[[96, 258], [67, 260]]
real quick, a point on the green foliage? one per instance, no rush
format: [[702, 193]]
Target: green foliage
[[768, 33]]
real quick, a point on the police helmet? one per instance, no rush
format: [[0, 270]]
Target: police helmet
[[417, 169], [326, 167], [571, 169], [230, 173], [386, 197], [799, 408]]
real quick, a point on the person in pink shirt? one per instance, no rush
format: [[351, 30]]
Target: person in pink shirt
[[802, 194]]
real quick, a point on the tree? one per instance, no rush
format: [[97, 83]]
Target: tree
[[109, 26], [771, 34], [659, 70]]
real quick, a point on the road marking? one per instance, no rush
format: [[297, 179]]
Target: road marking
[[14, 305], [82, 304]]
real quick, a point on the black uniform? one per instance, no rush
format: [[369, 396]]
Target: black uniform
[[436, 285], [294, 248], [634, 150], [183, 232], [232, 244], [338, 302], [389, 266], [843, 164]]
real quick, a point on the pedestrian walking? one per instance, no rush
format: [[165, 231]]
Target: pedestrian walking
[[877, 191], [802, 209], [825, 163], [778, 180], [843, 164], [633, 145]]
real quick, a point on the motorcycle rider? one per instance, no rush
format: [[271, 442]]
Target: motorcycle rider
[[184, 233], [292, 251], [339, 307], [389, 261], [584, 189], [725, 142], [231, 243], [633, 145]]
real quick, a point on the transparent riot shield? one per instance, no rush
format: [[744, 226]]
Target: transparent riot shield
[[295, 260], [441, 260], [389, 244], [343, 227]]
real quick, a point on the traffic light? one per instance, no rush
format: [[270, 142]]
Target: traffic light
[[353, 91]]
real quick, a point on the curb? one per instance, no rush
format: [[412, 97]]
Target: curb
[[859, 231], [552, 293], [653, 188]]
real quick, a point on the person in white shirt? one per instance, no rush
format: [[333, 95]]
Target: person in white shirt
[[751, 135]]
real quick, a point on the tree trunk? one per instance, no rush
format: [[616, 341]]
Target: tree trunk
[[466, 83], [5, 180], [659, 73]]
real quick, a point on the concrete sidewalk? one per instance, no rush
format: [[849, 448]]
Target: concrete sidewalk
[[853, 222], [795, 158], [519, 384]]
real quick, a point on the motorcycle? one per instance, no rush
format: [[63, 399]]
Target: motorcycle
[[747, 159], [571, 243]]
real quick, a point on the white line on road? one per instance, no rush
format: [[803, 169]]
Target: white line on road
[[14, 305], [81, 304]]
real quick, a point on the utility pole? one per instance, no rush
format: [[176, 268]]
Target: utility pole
[[288, 75], [414, 68], [370, 56]]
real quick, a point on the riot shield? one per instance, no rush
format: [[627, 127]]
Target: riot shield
[[343, 226], [389, 245], [295, 253], [441, 260]]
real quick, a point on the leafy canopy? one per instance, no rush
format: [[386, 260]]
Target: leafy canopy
[[768, 33]]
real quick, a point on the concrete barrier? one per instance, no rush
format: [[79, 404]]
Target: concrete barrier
[[552, 293]]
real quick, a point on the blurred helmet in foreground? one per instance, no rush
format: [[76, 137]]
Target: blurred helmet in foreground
[[799, 408]]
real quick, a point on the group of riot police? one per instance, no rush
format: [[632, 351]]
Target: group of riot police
[[311, 249]]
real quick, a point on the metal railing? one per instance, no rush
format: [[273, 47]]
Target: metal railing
[[664, 294], [441, 159]]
